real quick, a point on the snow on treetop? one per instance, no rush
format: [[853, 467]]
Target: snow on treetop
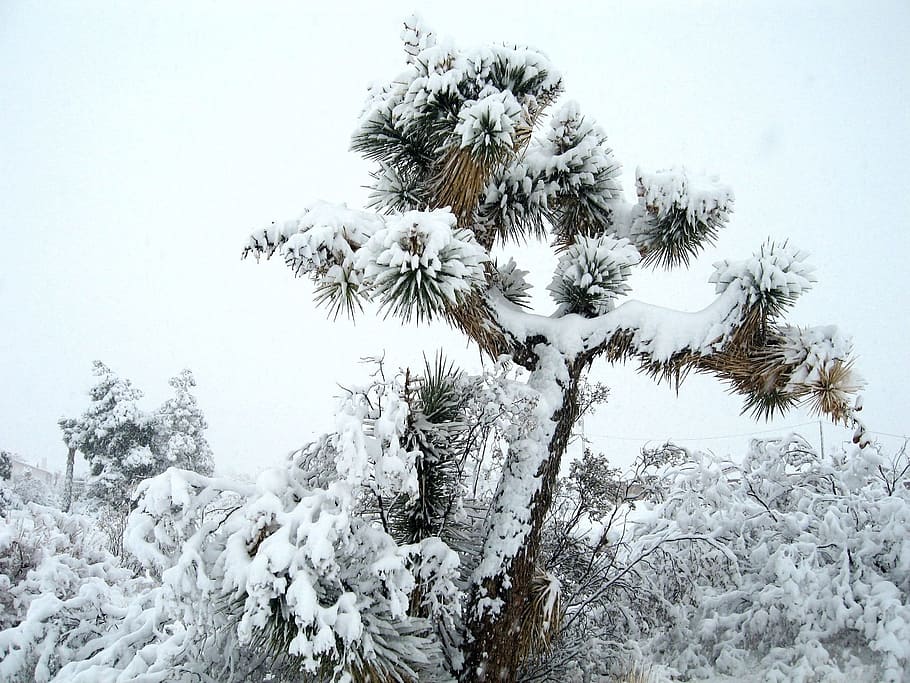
[[416, 36], [776, 271], [489, 123], [443, 83], [699, 197]]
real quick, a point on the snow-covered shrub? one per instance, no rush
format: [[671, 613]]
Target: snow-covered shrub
[[6, 466], [820, 586], [616, 587], [300, 576], [59, 590], [27, 488]]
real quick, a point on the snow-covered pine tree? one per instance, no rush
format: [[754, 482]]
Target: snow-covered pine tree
[[6, 466], [179, 426], [6, 471], [461, 171], [115, 437]]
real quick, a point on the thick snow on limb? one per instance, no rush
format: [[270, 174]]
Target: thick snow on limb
[[415, 263], [510, 518], [658, 331]]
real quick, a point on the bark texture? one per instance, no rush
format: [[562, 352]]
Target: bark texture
[[495, 652]]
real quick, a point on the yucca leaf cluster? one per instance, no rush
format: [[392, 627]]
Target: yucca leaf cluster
[[592, 273], [679, 213]]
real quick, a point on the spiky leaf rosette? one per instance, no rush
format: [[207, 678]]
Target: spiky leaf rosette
[[488, 126], [771, 280], [821, 368], [322, 244], [436, 433], [778, 366], [678, 214], [514, 203], [511, 282], [420, 263], [397, 189], [484, 137], [416, 36], [444, 125], [592, 273], [581, 175]]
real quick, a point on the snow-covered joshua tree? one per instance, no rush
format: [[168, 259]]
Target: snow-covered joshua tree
[[461, 171]]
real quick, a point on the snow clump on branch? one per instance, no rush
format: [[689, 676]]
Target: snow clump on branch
[[421, 262], [592, 273]]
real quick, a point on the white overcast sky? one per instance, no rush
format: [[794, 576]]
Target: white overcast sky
[[140, 142]]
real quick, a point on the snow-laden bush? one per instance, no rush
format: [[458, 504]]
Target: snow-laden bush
[[820, 586], [59, 590], [302, 575], [355, 560]]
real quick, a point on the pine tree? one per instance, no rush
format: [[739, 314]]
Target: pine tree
[[124, 445], [115, 437], [6, 466], [460, 171], [179, 426]]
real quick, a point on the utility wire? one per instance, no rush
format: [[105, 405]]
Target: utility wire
[[725, 436], [896, 436]]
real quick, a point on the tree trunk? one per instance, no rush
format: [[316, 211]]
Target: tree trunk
[[68, 481], [493, 651]]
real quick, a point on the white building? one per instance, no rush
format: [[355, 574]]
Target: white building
[[20, 468]]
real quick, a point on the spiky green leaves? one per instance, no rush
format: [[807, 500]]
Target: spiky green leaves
[[322, 244], [397, 189], [511, 282], [772, 279], [514, 203], [450, 101], [436, 434], [592, 273], [569, 178], [679, 214], [420, 263], [416, 264], [487, 127], [581, 173]]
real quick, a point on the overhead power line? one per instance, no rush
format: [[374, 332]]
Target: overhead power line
[[725, 436]]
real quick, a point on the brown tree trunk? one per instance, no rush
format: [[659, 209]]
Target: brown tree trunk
[[68, 481], [493, 653]]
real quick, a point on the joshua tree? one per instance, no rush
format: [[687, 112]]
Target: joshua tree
[[461, 172]]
